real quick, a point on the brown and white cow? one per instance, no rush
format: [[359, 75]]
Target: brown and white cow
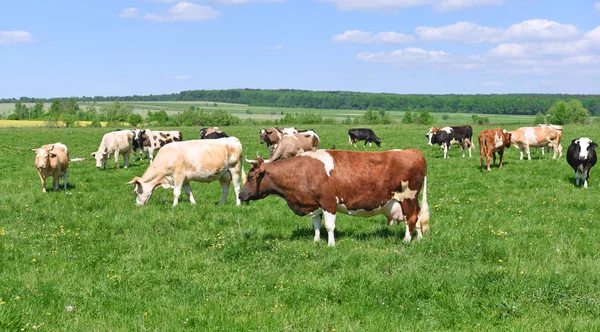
[[52, 160], [178, 163], [322, 183], [539, 136], [492, 141], [153, 140], [273, 135], [115, 143], [291, 145]]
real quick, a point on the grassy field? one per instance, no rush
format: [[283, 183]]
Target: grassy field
[[511, 249], [261, 113]]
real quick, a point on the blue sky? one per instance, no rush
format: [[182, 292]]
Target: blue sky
[[124, 47]]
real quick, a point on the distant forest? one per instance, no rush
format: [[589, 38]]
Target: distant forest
[[522, 104]]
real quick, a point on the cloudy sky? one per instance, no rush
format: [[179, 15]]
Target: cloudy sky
[[124, 47]]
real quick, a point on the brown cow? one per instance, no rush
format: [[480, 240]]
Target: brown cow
[[52, 160], [273, 135], [321, 183], [492, 141], [539, 136]]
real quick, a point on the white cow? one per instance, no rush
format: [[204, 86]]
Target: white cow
[[52, 160], [178, 163], [115, 143]]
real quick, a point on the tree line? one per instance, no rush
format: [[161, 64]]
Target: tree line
[[514, 104]]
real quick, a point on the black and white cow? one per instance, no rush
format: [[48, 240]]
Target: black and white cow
[[582, 157], [212, 133], [363, 134], [152, 140], [444, 137]]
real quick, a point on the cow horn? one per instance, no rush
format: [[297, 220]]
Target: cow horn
[[253, 162]]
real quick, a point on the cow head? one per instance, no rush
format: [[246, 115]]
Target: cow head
[[377, 141], [430, 134], [584, 145], [43, 155], [100, 158], [251, 190], [270, 136], [143, 193], [506, 138]]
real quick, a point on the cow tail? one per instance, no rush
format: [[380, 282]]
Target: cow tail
[[244, 177], [423, 220]]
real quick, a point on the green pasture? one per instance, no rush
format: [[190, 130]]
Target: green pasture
[[512, 249], [261, 113]]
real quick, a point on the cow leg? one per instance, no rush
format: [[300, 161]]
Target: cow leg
[[235, 178], [188, 191], [126, 158], [577, 177], [316, 219], [501, 154], [225, 181], [65, 179], [528, 153], [177, 192], [330, 226], [445, 150], [55, 180], [151, 155], [117, 158]]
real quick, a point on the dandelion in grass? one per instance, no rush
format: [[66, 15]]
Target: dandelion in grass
[[69, 308]]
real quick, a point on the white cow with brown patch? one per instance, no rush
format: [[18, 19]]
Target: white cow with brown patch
[[179, 163], [52, 160], [540, 136], [114, 143]]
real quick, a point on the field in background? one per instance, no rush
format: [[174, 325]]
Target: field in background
[[276, 113], [511, 249]]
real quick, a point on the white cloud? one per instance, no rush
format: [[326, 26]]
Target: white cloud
[[177, 78], [460, 32], [452, 5], [275, 48], [362, 37], [467, 32], [540, 29], [377, 5], [129, 13], [395, 5], [15, 37], [181, 11], [405, 57]]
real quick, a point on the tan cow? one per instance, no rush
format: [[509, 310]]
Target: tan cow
[[115, 143], [52, 160], [540, 136], [291, 145], [273, 135], [492, 141], [178, 163]]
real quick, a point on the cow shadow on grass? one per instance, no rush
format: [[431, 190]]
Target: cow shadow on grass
[[384, 232]]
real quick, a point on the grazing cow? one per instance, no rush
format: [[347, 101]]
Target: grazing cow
[[459, 135], [490, 142], [291, 145], [539, 136], [363, 134], [212, 133], [115, 143], [321, 183], [179, 163], [273, 135], [581, 155], [136, 144], [52, 160], [153, 140]]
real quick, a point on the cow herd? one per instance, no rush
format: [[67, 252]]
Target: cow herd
[[314, 182]]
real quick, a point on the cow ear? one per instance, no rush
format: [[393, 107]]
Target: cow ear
[[94, 154], [52, 155], [575, 141], [34, 150], [594, 145]]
